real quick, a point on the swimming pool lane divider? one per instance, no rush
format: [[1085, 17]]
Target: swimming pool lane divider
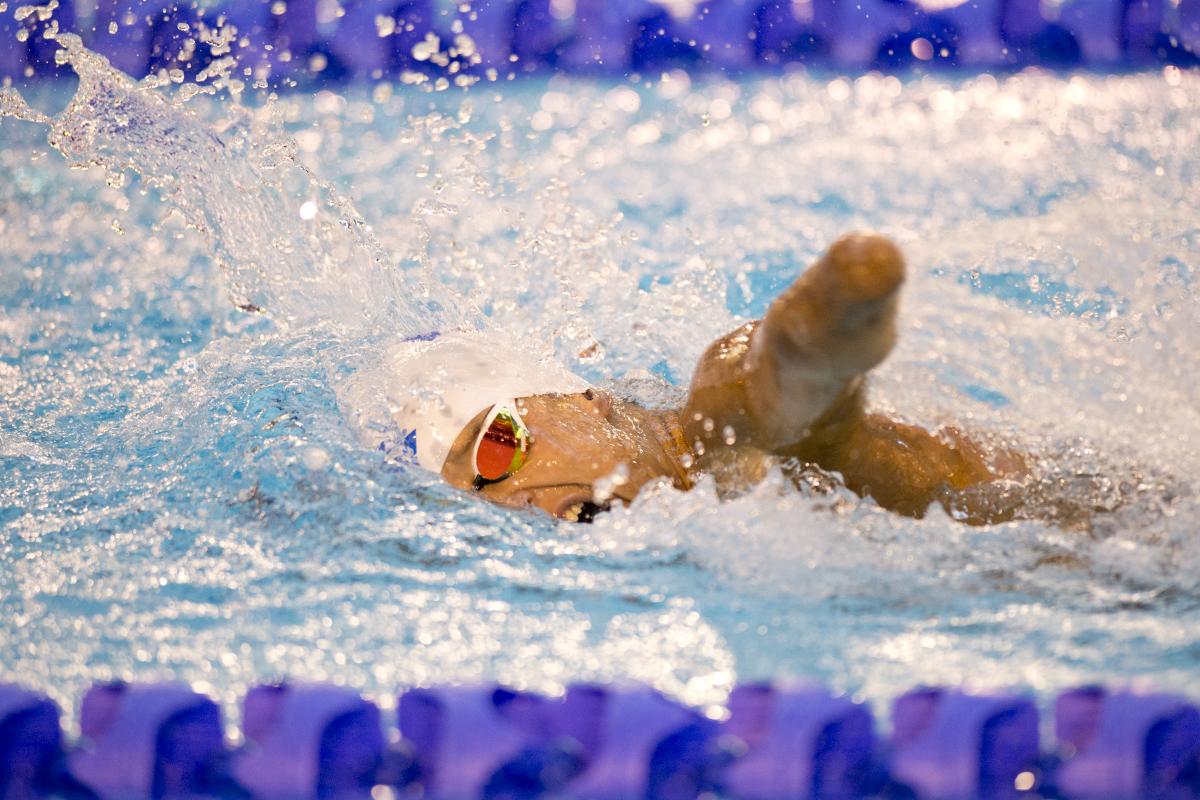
[[303, 41], [780, 740]]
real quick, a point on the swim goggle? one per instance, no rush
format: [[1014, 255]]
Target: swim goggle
[[501, 445]]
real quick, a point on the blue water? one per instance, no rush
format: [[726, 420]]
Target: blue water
[[189, 491]]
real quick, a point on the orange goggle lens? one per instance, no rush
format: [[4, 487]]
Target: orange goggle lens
[[500, 451]]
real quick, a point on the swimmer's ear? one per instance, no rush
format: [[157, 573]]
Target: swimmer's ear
[[602, 401]]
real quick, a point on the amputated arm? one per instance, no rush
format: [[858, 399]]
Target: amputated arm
[[766, 383], [791, 385]]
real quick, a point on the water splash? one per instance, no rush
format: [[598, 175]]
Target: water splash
[[290, 245], [188, 483]]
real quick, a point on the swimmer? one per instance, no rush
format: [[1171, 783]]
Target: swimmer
[[787, 389]]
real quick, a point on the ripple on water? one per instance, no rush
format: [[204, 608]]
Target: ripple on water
[[165, 511]]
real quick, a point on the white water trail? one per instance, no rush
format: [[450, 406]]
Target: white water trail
[[291, 246]]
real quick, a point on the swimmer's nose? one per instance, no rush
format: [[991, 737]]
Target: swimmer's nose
[[521, 498]]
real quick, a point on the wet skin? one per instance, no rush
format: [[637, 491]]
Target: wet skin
[[576, 440], [789, 386]]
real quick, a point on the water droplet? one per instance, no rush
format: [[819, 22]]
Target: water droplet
[[382, 792], [385, 25], [425, 49], [729, 435], [314, 458], [921, 49], [602, 490], [465, 45]]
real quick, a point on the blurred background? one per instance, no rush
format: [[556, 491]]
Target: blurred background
[[283, 43], [192, 492]]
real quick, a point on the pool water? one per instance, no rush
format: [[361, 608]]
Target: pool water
[[189, 490]]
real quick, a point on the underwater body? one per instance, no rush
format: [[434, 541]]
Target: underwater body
[[193, 361]]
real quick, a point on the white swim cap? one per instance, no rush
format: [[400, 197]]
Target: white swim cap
[[442, 381]]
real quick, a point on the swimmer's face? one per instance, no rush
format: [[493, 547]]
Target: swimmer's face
[[575, 441]]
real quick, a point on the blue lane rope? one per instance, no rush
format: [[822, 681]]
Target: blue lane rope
[[771, 740], [294, 43]]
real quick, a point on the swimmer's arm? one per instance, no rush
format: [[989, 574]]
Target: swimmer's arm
[[765, 384], [791, 385], [906, 468]]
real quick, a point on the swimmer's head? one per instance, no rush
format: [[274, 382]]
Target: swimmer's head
[[586, 451], [580, 450], [446, 380]]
